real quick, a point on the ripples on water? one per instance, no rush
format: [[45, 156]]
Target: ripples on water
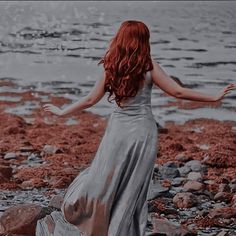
[[55, 46]]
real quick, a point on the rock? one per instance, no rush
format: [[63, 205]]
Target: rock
[[184, 170], [170, 164], [194, 165], [175, 190], [193, 185], [10, 155], [194, 176], [223, 212], [177, 181], [21, 219], [233, 181], [169, 171], [56, 202], [27, 184], [185, 200], [156, 190], [33, 157], [33, 183], [233, 200], [232, 187], [182, 158], [223, 196], [49, 149], [224, 188], [166, 228], [27, 149], [223, 233]]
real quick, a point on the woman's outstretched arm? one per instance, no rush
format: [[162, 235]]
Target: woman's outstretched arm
[[168, 85], [91, 99]]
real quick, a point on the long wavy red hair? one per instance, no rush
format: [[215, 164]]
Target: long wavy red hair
[[126, 61]]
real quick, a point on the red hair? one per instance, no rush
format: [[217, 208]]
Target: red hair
[[127, 60]]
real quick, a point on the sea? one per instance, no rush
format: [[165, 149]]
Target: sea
[[54, 47]]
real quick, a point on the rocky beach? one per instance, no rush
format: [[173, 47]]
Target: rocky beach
[[49, 53], [193, 186]]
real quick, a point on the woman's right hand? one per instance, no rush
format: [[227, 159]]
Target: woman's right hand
[[224, 91], [53, 109]]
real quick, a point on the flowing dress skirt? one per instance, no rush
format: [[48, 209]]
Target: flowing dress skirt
[[109, 198]]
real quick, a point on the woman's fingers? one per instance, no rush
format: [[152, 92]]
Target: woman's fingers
[[48, 107], [229, 89]]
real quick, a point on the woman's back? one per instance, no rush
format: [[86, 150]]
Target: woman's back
[[141, 103]]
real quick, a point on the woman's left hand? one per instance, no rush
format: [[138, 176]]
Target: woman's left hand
[[224, 91], [53, 109]]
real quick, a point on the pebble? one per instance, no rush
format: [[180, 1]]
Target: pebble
[[193, 185], [223, 212], [49, 149], [169, 172], [194, 165], [185, 200], [194, 176], [184, 170], [177, 181], [10, 155], [182, 158], [156, 190]]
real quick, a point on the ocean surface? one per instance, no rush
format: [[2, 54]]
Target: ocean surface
[[55, 47]]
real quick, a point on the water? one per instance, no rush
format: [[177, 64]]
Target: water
[[55, 46]]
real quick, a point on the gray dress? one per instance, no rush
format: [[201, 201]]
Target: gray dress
[[109, 198]]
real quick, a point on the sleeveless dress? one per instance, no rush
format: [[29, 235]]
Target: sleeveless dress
[[109, 198]]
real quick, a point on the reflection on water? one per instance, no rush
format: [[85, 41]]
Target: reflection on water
[[55, 46]]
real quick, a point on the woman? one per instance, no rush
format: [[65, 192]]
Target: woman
[[109, 198]]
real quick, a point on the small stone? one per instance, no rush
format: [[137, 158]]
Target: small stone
[[177, 181], [224, 188], [233, 181], [184, 170], [232, 187], [170, 164], [223, 196], [10, 155], [21, 219], [193, 185], [166, 227], [194, 176], [33, 157], [194, 165], [234, 200], [27, 149], [169, 172], [223, 212], [156, 190], [223, 233], [33, 183], [185, 200], [49, 149], [203, 146], [28, 184], [183, 158]]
